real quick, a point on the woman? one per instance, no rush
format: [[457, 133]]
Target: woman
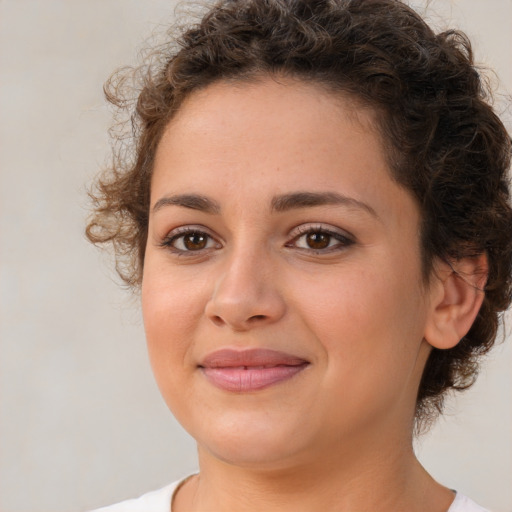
[[317, 215]]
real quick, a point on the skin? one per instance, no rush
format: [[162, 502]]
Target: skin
[[357, 310]]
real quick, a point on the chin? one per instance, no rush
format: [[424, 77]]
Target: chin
[[253, 454], [255, 443]]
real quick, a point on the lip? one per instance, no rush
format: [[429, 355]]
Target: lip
[[250, 370]]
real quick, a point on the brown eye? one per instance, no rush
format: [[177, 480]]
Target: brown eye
[[321, 240], [190, 241], [195, 241], [318, 240]]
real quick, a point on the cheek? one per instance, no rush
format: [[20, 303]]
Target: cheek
[[171, 310], [370, 329], [171, 313], [367, 317]]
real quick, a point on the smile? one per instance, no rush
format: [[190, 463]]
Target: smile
[[250, 370]]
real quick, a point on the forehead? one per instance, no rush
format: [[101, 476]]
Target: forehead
[[271, 137]]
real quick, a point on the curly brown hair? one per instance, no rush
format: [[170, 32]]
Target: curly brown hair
[[443, 140]]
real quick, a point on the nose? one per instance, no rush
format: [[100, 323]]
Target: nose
[[246, 294]]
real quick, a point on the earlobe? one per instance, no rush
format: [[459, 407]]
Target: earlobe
[[457, 292]]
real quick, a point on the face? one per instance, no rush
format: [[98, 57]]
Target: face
[[282, 293]]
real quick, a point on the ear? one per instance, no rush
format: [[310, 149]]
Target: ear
[[456, 294]]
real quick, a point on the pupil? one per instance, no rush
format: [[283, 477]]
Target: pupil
[[195, 241], [318, 240]]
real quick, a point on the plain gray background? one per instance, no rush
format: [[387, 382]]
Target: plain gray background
[[81, 421]]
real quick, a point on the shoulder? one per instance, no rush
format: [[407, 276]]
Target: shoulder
[[154, 501], [464, 504]]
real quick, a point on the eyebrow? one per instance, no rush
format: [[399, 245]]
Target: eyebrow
[[281, 203], [192, 201], [295, 200]]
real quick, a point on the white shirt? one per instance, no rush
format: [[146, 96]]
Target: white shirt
[[160, 501]]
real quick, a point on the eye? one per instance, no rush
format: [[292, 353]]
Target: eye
[[187, 240], [317, 240], [320, 239]]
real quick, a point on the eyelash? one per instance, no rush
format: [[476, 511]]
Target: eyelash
[[180, 233], [344, 240], [302, 231]]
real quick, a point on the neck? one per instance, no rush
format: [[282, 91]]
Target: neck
[[362, 477]]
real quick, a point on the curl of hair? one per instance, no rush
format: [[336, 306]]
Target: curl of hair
[[443, 140]]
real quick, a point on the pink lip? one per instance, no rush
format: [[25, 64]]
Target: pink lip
[[250, 370]]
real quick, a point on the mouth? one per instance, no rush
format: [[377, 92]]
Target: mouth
[[250, 370]]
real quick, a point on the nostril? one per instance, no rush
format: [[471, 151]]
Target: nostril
[[217, 320], [257, 318]]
